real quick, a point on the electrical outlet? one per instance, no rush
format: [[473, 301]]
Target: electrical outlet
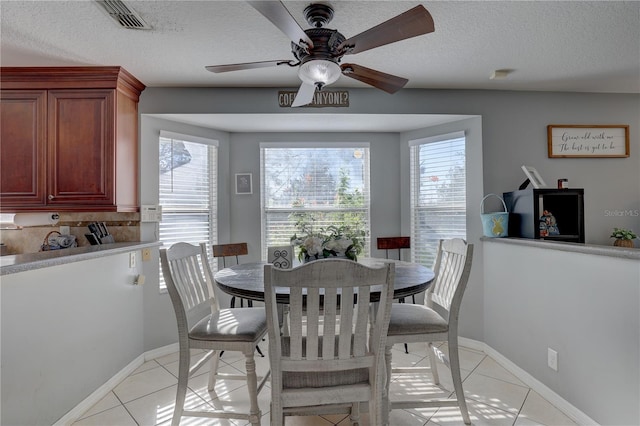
[[132, 259], [146, 254], [552, 359], [65, 230]]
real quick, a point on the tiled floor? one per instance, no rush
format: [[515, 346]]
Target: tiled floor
[[494, 396]]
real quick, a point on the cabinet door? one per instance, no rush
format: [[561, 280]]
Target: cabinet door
[[23, 140], [81, 147]]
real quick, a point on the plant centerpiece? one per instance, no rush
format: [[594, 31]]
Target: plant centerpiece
[[624, 237], [332, 241]]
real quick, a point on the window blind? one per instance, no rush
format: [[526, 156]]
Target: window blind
[[187, 190], [320, 184], [438, 193]]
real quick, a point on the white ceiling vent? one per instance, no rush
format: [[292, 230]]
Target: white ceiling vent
[[123, 14]]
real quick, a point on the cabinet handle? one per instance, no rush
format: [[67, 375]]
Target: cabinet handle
[[51, 197]]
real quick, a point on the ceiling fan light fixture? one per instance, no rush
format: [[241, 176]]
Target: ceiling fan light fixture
[[319, 71]]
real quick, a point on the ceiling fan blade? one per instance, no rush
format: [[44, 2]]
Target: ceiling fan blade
[[387, 82], [412, 23], [246, 66], [304, 95], [279, 16]]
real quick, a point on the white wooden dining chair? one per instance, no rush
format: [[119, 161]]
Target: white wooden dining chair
[[203, 325], [334, 359], [434, 321]]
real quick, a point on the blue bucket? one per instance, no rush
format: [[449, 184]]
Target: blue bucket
[[494, 225]]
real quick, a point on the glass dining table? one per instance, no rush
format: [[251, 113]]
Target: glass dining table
[[246, 280]]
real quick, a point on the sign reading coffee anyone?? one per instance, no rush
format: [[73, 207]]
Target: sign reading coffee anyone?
[[321, 99]]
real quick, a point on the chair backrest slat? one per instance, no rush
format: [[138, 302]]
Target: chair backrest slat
[[295, 314], [329, 326], [313, 322]]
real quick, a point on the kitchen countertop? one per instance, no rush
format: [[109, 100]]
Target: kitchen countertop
[[600, 250], [12, 264]]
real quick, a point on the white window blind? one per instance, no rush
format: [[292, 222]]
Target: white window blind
[[188, 190], [322, 184], [438, 193]]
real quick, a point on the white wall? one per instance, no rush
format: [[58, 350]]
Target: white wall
[[66, 330], [586, 307]]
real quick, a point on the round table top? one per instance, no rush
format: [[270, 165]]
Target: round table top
[[247, 279]]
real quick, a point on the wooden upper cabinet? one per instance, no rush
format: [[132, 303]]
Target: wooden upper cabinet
[[23, 127], [72, 144]]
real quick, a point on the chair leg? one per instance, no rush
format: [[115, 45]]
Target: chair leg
[[406, 347], [454, 361], [277, 416], [354, 417], [432, 363], [213, 370], [386, 404], [233, 302], [252, 384], [183, 378]]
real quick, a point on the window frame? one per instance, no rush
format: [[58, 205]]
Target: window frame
[[461, 208], [212, 208], [316, 145]]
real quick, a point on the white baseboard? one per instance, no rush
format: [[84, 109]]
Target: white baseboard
[[74, 414], [563, 405], [160, 352]]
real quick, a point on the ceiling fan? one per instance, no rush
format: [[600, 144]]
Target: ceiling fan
[[319, 50]]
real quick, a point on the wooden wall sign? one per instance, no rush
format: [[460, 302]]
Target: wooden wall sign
[[321, 99], [587, 141]]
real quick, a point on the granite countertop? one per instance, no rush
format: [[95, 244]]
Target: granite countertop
[[12, 264], [600, 250]]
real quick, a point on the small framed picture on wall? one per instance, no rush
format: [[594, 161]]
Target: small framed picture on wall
[[244, 184]]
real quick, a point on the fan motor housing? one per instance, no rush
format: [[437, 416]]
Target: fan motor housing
[[325, 46]]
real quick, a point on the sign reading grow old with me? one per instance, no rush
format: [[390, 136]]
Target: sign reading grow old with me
[[587, 141]]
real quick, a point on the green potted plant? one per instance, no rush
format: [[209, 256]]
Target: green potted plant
[[624, 237]]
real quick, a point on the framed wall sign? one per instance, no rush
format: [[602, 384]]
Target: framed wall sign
[[244, 183], [584, 141]]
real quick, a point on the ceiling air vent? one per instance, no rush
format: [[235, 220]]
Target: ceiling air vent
[[123, 14]]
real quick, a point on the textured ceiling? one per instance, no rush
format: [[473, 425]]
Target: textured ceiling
[[551, 46]]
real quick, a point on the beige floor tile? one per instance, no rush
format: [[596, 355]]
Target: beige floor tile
[[144, 383], [496, 393], [149, 365], [489, 367], [538, 411], [413, 416], [480, 414], [108, 401], [262, 365], [113, 416], [469, 359], [199, 384], [157, 408], [173, 366], [414, 387], [238, 400]]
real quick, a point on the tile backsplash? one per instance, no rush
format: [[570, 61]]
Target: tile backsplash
[[125, 227]]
